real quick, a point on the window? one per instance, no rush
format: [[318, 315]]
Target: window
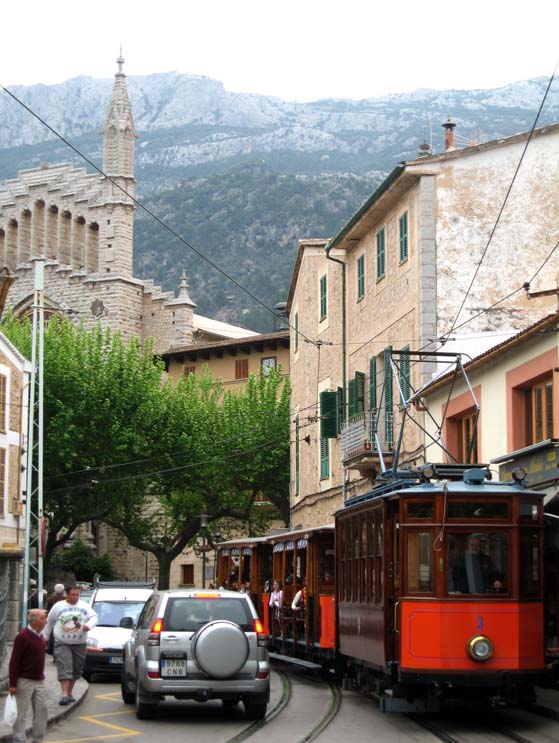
[[3, 384], [189, 370], [539, 411], [420, 562], [187, 575], [2, 479], [356, 394], [241, 369], [403, 225], [323, 298], [467, 438], [478, 562], [531, 398], [296, 332], [381, 260], [324, 459], [360, 277], [529, 561]]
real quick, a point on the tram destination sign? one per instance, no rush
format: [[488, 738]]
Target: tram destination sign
[[540, 462]]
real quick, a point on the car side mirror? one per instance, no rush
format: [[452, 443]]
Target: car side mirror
[[126, 623]]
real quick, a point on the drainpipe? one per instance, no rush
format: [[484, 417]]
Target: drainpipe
[[344, 350], [344, 339]]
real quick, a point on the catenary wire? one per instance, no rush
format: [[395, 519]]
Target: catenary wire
[[148, 211]]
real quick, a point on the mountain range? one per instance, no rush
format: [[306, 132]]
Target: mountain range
[[243, 177]]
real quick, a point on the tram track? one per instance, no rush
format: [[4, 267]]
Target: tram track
[[283, 701], [485, 732]]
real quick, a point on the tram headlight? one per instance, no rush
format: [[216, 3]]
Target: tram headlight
[[480, 648]]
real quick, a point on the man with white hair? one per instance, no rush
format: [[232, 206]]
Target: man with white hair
[[27, 677], [56, 595]]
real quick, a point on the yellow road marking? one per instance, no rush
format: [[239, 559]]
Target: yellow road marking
[[114, 696], [121, 731], [114, 714]]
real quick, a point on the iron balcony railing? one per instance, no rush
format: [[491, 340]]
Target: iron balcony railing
[[364, 434]]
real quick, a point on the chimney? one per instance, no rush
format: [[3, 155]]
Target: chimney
[[448, 127]]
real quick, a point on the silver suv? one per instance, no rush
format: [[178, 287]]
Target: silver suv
[[197, 644]]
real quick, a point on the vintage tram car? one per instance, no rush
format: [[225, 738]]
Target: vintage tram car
[[439, 586]]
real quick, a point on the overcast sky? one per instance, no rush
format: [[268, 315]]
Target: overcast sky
[[294, 49]]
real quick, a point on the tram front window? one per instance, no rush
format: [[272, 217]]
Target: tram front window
[[477, 562]]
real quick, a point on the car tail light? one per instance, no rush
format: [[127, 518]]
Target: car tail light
[[259, 629], [207, 595], [155, 632], [262, 675], [153, 674]]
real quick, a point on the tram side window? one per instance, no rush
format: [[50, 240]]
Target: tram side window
[[420, 562], [372, 557], [529, 563], [478, 562], [363, 560], [378, 566]]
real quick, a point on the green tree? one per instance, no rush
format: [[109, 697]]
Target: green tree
[[81, 560]]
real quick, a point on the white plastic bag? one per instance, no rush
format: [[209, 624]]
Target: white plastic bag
[[10, 710]]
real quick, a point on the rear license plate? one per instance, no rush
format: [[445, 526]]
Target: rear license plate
[[173, 668], [116, 659]]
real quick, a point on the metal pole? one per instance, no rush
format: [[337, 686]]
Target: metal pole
[[33, 554]]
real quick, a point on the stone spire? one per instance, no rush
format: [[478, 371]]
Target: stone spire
[[118, 130], [184, 297]]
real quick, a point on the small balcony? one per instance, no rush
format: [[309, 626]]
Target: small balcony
[[364, 445]]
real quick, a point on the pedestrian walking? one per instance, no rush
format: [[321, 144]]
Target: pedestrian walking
[[27, 677], [56, 595], [70, 621]]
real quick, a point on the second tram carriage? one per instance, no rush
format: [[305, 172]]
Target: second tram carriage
[[438, 594]]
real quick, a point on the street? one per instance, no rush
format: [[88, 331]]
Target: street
[[301, 709]]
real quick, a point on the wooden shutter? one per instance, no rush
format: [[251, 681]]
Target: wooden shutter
[[372, 383], [381, 258], [403, 237], [328, 414], [388, 398], [352, 397]]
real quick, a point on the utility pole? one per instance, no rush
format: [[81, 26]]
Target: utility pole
[[34, 519]]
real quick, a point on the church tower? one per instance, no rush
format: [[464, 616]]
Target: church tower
[[118, 132]]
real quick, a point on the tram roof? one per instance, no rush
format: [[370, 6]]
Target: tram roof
[[411, 487]]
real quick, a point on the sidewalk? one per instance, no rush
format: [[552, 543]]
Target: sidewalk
[[55, 711], [547, 702]]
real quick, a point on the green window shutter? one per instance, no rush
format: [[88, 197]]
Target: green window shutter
[[341, 408], [403, 237], [372, 383], [388, 398], [361, 277], [297, 453], [405, 372], [296, 329], [323, 298], [328, 414], [360, 391], [324, 458], [381, 257], [352, 396]]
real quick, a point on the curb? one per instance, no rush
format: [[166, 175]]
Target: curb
[[55, 717]]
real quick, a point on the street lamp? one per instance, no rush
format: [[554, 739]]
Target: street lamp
[[203, 526]]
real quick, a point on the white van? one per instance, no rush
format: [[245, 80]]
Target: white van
[[118, 606]]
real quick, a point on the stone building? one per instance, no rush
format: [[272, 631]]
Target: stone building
[[397, 277], [14, 394], [82, 225]]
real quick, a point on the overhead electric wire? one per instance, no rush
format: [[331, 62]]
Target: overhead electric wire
[[453, 326], [148, 211]]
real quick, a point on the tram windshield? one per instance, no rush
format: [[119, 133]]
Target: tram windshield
[[478, 562]]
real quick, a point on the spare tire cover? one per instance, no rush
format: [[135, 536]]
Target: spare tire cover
[[220, 649]]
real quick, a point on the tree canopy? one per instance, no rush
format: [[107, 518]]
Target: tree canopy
[[127, 448]]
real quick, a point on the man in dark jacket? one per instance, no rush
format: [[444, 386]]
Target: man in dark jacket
[[27, 677], [474, 572]]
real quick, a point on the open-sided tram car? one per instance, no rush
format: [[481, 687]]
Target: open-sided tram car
[[418, 617]]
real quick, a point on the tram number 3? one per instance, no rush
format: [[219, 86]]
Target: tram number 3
[[479, 624]]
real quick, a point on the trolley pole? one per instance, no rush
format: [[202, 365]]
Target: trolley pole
[[34, 521]]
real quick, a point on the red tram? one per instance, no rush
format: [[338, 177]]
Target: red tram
[[440, 589]]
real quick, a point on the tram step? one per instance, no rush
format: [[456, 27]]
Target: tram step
[[306, 664]]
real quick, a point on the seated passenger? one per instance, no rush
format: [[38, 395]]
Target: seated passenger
[[474, 571]]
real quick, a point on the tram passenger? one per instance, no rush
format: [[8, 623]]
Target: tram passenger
[[276, 604], [474, 571], [298, 603]]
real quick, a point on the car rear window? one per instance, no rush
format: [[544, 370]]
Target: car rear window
[[111, 612], [189, 614]]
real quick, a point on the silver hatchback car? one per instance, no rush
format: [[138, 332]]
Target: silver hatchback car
[[197, 644]]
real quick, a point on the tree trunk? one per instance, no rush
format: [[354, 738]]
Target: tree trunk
[[164, 560]]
